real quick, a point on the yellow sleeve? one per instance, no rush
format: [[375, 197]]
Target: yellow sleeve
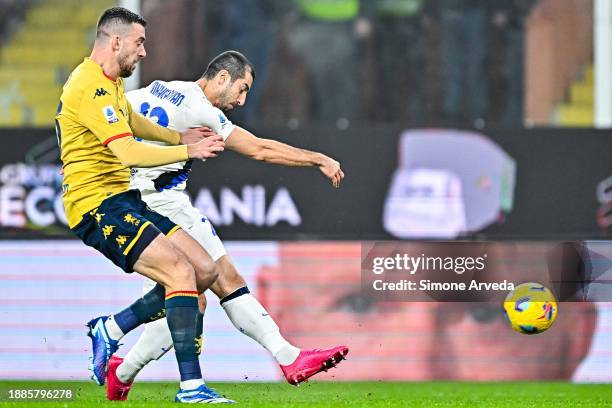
[[136, 154], [102, 116], [147, 130]]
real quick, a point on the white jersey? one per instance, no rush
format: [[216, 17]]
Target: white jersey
[[177, 105]]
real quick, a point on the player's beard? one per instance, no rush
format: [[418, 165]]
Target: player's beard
[[225, 99], [126, 68]]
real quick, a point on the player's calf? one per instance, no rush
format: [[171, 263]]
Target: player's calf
[[229, 280]]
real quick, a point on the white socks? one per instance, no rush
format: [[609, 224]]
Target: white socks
[[152, 344], [287, 354], [191, 384], [250, 317], [113, 329], [245, 312]]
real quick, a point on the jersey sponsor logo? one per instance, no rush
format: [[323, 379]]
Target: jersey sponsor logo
[[100, 92], [110, 114]]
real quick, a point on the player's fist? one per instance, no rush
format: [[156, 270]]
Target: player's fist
[[206, 148], [331, 169]]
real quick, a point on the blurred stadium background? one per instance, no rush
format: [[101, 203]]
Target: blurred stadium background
[[453, 119]]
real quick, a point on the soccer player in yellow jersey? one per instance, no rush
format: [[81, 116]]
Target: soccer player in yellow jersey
[[95, 127]]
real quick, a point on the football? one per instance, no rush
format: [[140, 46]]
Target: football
[[530, 308]]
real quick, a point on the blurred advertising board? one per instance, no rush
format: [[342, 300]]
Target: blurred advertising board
[[400, 184]]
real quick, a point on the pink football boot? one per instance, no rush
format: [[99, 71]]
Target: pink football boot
[[115, 389], [311, 362]]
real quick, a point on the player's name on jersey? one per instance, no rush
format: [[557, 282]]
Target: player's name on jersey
[[160, 91]]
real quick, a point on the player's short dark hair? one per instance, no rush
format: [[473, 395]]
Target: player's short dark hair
[[233, 62], [117, 16]]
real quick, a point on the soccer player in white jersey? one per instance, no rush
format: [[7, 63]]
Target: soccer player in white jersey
[[181, 105]]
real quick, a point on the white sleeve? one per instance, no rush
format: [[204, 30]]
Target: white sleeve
[[132, 97], [208, 115]]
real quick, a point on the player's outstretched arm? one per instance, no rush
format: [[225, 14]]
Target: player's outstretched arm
[[145, 129], [272, 151], [134, 154]]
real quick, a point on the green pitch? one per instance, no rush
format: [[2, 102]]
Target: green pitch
[[354, 395]]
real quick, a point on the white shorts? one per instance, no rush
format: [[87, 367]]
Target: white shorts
[[176, 206]]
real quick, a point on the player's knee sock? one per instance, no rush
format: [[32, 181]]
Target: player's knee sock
[[250, 317], [153, 343], [148, 308], [182, 314]]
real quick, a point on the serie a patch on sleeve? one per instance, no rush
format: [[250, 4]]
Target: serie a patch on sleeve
[[222, 121], [110, 114]]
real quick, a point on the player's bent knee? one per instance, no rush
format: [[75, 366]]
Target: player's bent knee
[[205, 269], [175, 273], [182, 274]]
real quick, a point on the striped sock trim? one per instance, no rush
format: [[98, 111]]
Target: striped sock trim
[[182, 299], [190, 293], [237, 293]]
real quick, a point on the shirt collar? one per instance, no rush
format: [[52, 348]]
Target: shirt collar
[[91, 62]]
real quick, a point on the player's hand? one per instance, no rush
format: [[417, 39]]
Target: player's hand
[[206, 148], [207, 132], [194, 135], [331, 169]]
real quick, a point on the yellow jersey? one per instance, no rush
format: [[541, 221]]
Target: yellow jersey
[[93, 111]]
